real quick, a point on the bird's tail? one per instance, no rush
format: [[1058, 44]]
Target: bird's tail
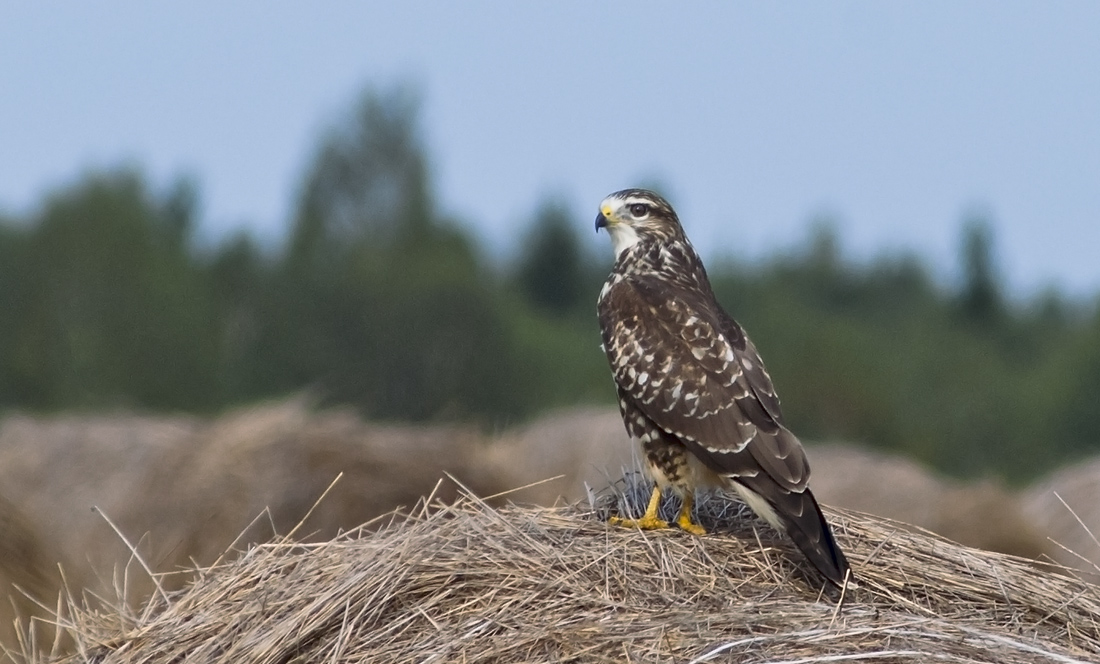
[[809, 530], [799, 516]]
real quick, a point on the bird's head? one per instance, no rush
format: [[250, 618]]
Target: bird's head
[[636, 215]]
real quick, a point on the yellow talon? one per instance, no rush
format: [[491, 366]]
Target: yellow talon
[[644, 523], [649, 520], [684, 520]]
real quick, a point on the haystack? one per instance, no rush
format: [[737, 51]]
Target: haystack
[[26, 576], [579, 446], [182, 489], [983, 514], [56, 469], [1066, 505], [583, 444], [471, 583], [278, 459]]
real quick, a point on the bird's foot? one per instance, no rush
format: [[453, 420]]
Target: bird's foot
[[647, 522], [690, 526], [684, 520]]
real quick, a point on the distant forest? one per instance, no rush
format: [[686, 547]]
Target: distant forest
[[377, 299]]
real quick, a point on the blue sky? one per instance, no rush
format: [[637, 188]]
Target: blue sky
[[895, 119]]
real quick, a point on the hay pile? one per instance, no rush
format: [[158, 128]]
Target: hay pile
[[584, 444], [1067, 504], [182, 489], [24, 570], [55, 470], [982, 514], [471, 583]]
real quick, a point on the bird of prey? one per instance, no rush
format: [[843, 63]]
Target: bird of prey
[[693, 392]]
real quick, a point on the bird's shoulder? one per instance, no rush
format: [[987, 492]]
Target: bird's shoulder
[[698, 339]]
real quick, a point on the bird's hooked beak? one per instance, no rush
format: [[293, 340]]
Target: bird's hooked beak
[[603, 218]]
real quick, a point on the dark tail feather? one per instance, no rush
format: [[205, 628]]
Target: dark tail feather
[[811, 534]]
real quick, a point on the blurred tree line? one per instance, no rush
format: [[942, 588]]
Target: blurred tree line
[[378, 299]]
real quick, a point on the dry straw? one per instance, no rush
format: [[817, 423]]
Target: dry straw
[[470, 583]]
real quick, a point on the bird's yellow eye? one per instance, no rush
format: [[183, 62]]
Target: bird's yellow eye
[[639, 210]]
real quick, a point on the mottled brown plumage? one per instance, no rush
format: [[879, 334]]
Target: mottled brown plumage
[[693, 391]]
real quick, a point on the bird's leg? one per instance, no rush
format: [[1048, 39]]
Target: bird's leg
[[649, 520], [684, 520]]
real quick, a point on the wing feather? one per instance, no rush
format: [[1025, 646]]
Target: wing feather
[[692, 370]]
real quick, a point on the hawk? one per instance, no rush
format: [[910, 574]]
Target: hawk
[[693, 392]]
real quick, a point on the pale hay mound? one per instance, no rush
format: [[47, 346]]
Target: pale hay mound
[[587, 447], [1067, 504], [982, 514], [25, 570], [56, 469], [182, 489], [282, 457], [584, 445], [470, 583]]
